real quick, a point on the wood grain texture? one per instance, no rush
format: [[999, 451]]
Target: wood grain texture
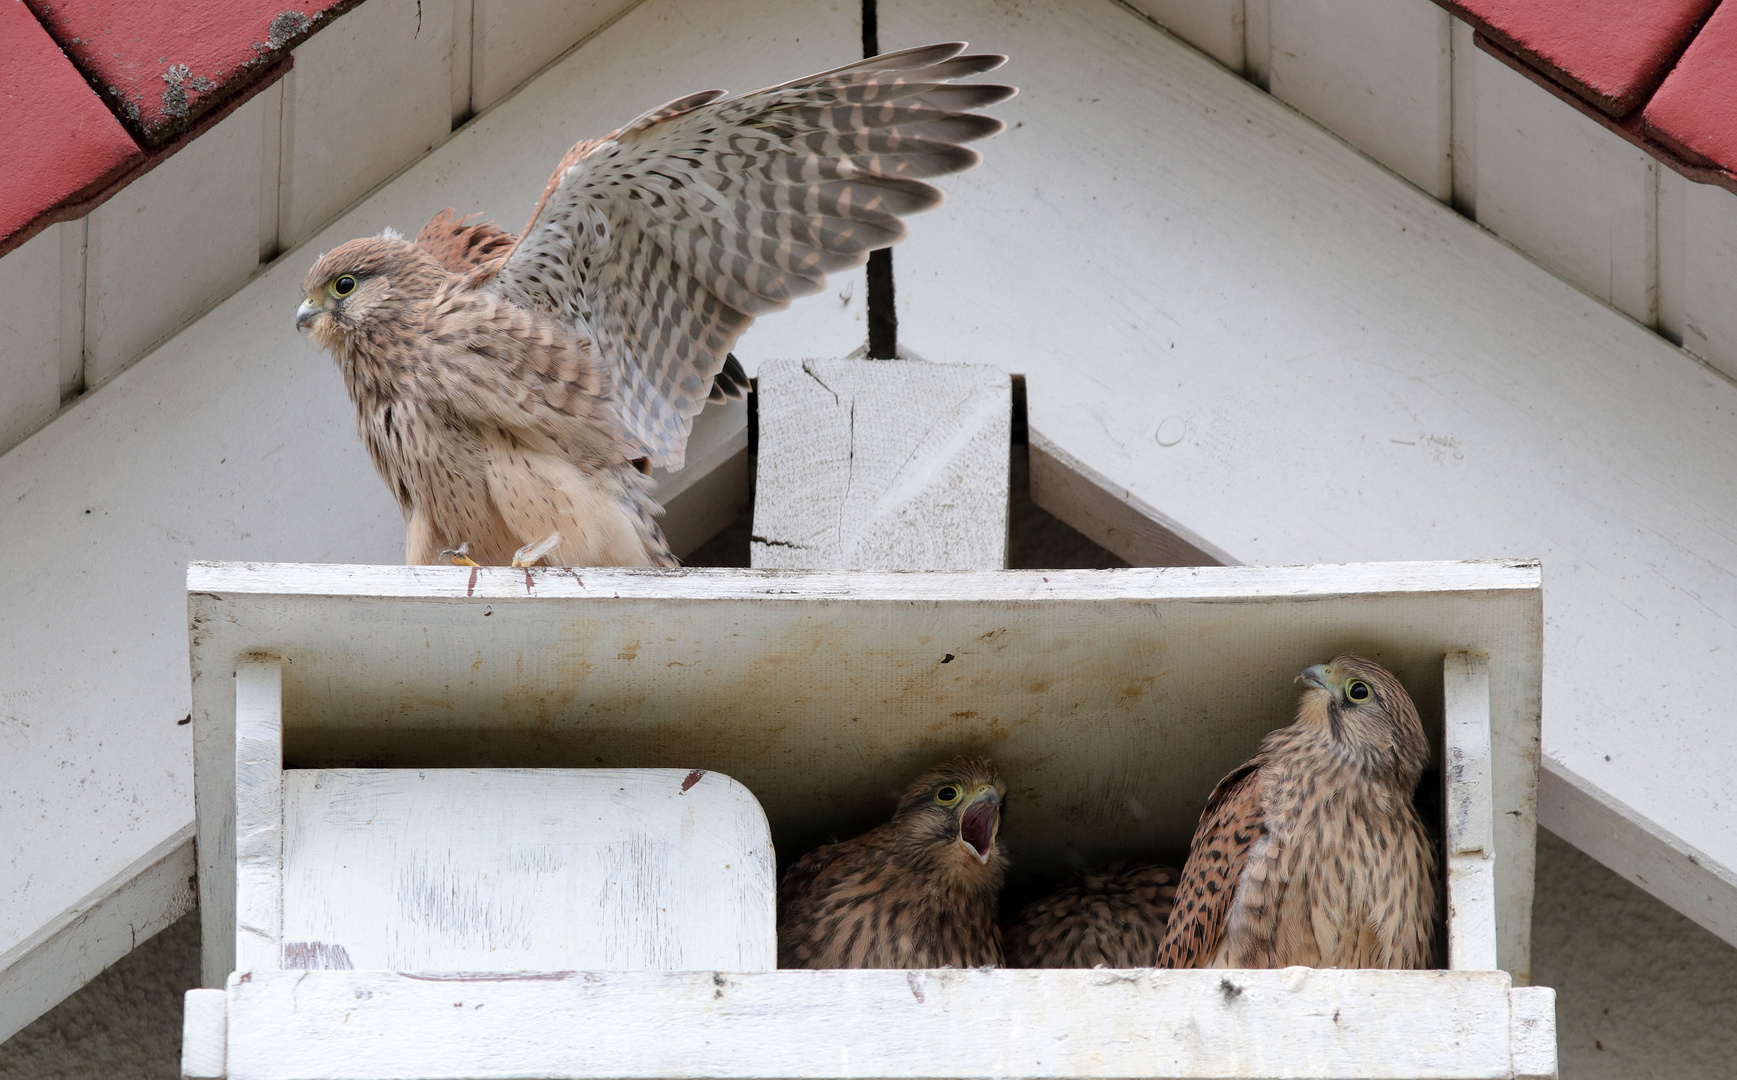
[[525, 869], [1103, 696], [1469, 801], [907, 1025], [1305, 313], [258, 812], [882, 465]]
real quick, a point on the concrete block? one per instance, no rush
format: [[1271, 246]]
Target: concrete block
[[173, 242], [30, 328], [882, 465], [367, 96], [1374, 72], [1215, 27], [513, 39], [1569, 193]]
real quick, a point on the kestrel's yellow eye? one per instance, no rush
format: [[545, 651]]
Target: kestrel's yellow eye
[[947, 794], [1358, 690], [344, 285]]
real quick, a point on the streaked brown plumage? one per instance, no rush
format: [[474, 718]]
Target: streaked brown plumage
[[1110, 916], [918, 892], [1312, 853], [506, 388]]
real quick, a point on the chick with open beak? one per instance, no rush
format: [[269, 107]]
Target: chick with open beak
[[918, 892]]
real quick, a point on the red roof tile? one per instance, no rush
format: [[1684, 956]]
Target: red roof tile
[[162, 64], [61, 140], [1610, 53], [1695, 111]]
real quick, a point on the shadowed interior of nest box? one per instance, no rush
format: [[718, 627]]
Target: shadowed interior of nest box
[[1111, 721]]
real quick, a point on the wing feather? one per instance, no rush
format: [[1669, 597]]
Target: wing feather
[[1228, 826], [664, 240]]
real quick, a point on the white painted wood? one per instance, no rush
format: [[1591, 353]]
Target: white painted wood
[[713, 486], [882, 464], [1215, 27], [526, 869], [1672, 194], [1465, 117], [204, 1034], [1257, 16], [1566, 191], [1468, 802], [74, 242], [172, 242], [270, 167], [909, 1025], [1708, 256], [1690, 879], [514, 38], [121, 913], [30, 288], [369, 94], [1375, 72], [1533, 1032], [1110, 515], [463, 22], [1364, 375], [258, 810], [235, 440], [1099, 694], [1466, 771]]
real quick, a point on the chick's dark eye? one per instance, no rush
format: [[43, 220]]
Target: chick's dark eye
[[1357, 690], [947, 795], [344, 286]]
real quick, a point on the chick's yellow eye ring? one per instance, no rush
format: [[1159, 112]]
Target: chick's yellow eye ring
[[947, 795], [344, 285], [1357, 690]]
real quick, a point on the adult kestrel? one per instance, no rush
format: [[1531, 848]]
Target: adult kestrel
[[1312, 853], [918, 892], [1110, 916], [505, 387]]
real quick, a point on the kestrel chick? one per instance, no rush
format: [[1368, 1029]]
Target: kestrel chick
[[917, 892], [1311, 853], [506, 388], [1111, 916]]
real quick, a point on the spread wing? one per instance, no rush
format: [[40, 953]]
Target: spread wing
[[663, 241], [1231, 822]]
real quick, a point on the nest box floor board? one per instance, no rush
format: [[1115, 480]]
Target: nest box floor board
[[1226, 315], [235, 440]]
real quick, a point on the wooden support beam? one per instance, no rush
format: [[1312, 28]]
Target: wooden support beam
[[882, 465]]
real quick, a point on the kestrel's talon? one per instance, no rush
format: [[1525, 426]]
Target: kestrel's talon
[[460, 555], [531, 553]]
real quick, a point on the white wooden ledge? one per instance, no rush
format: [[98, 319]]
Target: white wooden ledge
[[904, 1025], [1233, 325], [235, 440]]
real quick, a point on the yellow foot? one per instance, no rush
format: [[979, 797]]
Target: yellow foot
[[460, 555], [531, 553]]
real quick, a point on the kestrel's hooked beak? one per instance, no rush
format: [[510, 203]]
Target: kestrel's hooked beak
[[307, 313], [1315, 675], [980, 821]]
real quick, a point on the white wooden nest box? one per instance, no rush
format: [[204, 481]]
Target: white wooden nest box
[[469, 823]]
